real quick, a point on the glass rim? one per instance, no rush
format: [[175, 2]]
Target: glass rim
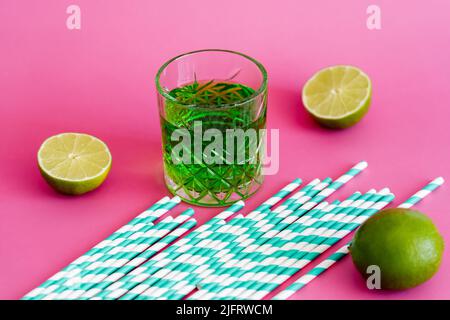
[[256, 94]]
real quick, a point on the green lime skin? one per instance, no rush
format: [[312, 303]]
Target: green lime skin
[[403, 243], [74, 187], [345, 122]]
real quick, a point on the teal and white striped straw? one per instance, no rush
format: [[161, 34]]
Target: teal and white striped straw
[[276, 266], [215, 234], [133, 281], [209, 284], [284, 245], [234, 265], [309, 253], [135, 277], [265, 222], [422, 193], [217, 279], [285, 241], [103, 282], [137, 243], [193, 266], [313, 273], [148, 216], [280, 195], [231, 242], [344, 250], [139, 234]]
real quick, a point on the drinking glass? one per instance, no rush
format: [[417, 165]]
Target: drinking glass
[[212, 106]]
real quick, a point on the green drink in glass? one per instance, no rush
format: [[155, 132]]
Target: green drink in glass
[[212, 106]]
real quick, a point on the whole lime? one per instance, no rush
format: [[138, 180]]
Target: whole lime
[[403, 243]]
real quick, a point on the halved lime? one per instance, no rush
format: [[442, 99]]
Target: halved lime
[[74, 163], [338, 96]]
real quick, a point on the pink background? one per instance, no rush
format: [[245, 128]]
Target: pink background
[[99, 80]]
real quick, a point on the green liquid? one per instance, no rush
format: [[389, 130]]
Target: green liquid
[[221, 106]]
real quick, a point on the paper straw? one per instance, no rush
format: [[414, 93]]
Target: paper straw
[[282, 217], [180, 289], [280, 195], [284, 240], [255, 223], [121, 255], [184, 268], [104, 282], [320, 197], [135, 277], [274, 262], [344, 250], [225, 262], [244, 261], [312, 274], [156, 264], [65, 289], [138, 235], [206, 253], [309, 253], [147, 217], [272, 249], [422, 193]]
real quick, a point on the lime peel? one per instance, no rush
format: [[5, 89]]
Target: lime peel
[[403, 243]]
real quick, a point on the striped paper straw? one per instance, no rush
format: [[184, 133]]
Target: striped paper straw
[[283, 245], [187, 268], [283, 241], [422, 193], [233, 266], [280, 195], [135, 277], [153, 266], [207, 255], [344, 250], [181, 289], [221, 281], [103, 282], [148, 216], [181, 262], [320, 197], [310, 253], [275, 262], [255, 222], [72, 283], [312, 274], [280, 215], [217, 233], [140, 235], [121, 255]]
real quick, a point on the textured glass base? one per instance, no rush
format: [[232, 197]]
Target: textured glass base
[[208, 198]]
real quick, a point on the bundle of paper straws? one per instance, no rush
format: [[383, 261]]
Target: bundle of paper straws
[[231, 256]]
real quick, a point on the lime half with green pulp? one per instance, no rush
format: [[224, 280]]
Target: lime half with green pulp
[[338, 97], [74, 163]]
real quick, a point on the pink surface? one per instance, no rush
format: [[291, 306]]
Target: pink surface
[[99, 80]]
